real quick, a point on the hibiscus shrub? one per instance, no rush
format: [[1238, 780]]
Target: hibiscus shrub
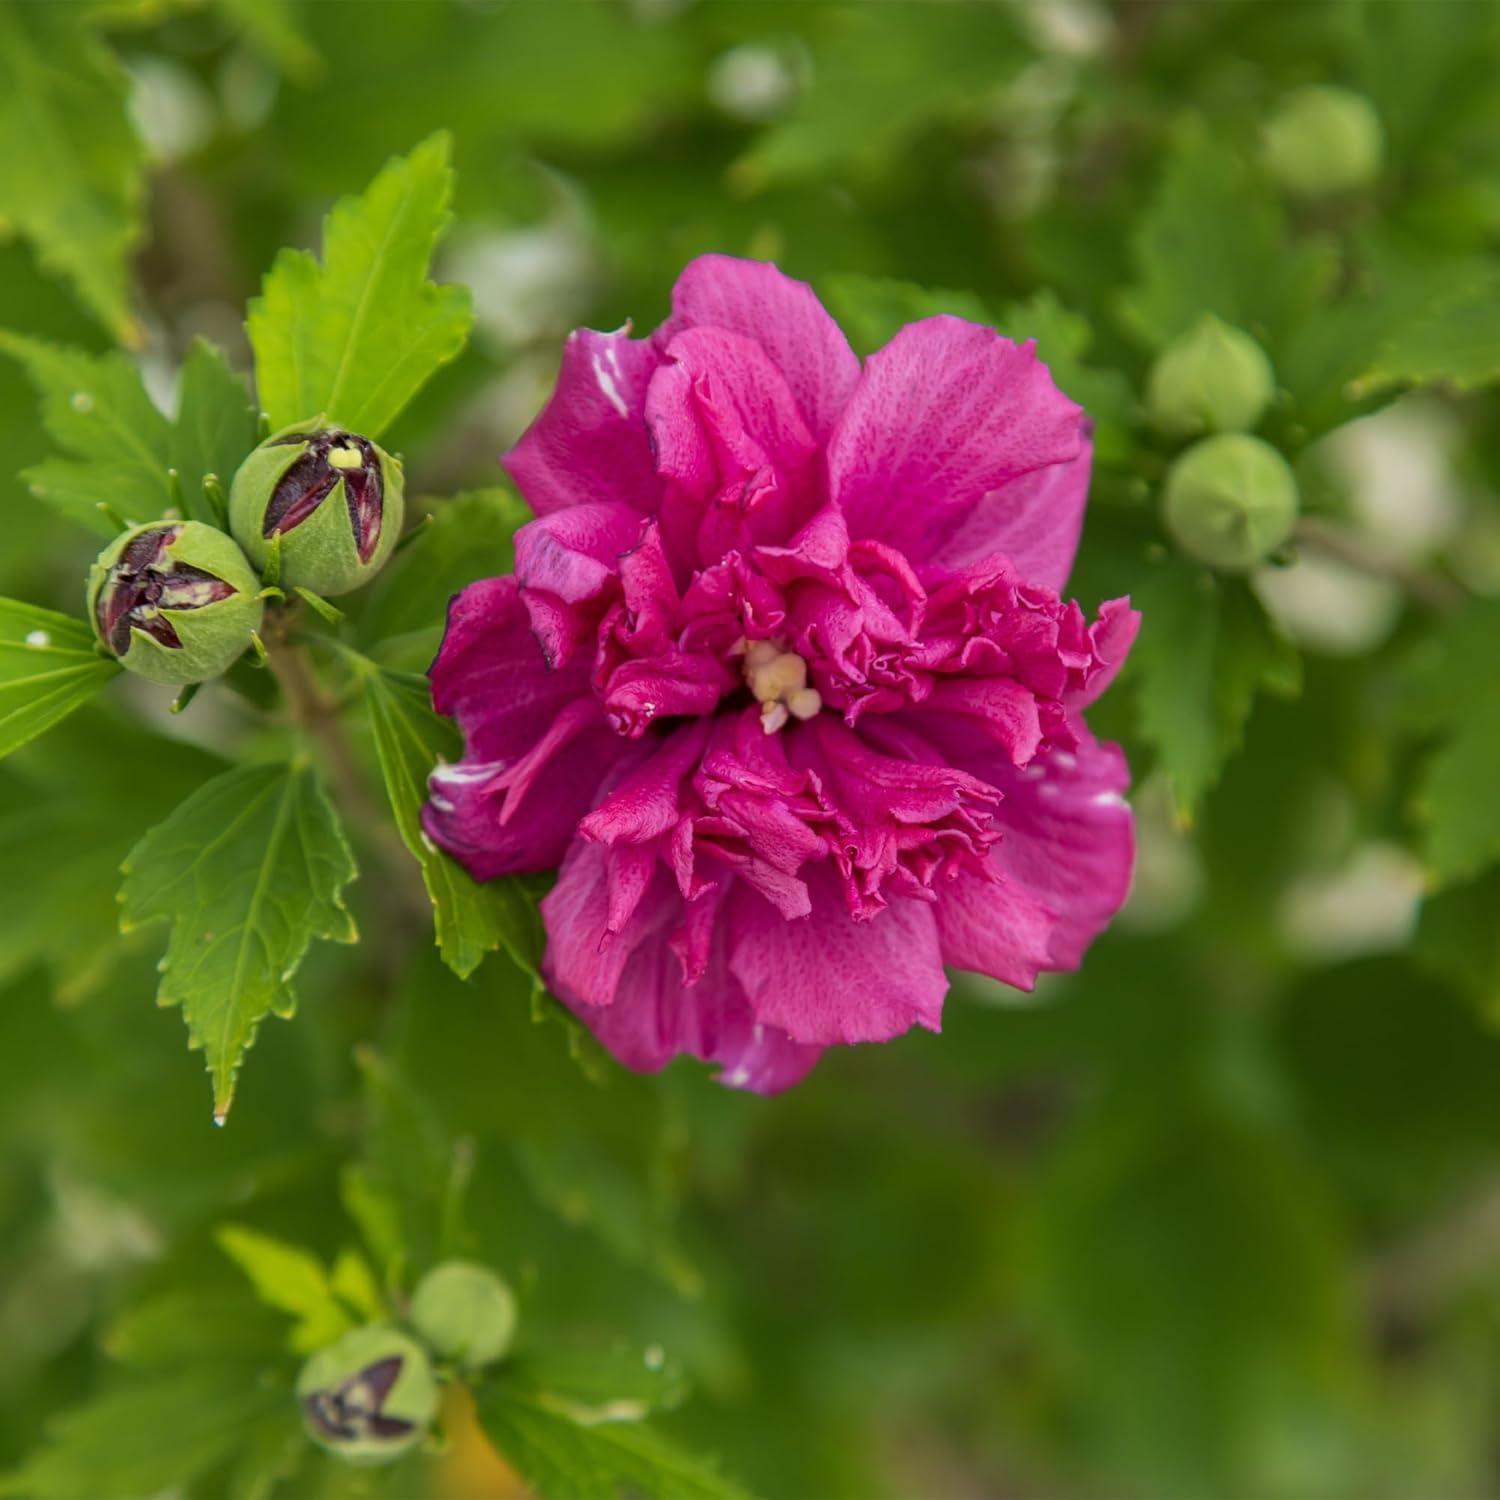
[[1026, 601]]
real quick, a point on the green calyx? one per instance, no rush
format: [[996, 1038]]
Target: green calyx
[[465, 1312], [1324, 140], [176, 601], [329, 499], [1213, 378], [1231, 501], [370, 1397]]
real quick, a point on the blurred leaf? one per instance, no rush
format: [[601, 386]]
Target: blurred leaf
[[1459, 938], [273, 27], [872, 310], [1213, 240], [48, 668], [879, 76], [471, 919], [97, 411], [1206, 648], [215, 428], [290, 1279], [564, 1453], [462, 540], [359, 335], [72, 168], [153, 1435], [1454, 343], [1446, 694], [189, 1325], [621, 1379], [248, 871]]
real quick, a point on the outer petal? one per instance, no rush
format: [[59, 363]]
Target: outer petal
[[1061, 871], [945, 414], [533, 739], [589, 441], [785, 318], [1034, 520], [730, 443], [827, 978]]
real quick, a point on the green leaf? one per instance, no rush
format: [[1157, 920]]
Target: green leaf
[[872, 310], [97, 411], [462, 539], [565, 1451], [1455, 342], [1459, 938], [248, 871], [471, 919], [215, 428], [1213, 240], [154, 1435], [290, 1279], [48, 668], [72, 170], [1206, 648], [1449, 696], [359, 335]]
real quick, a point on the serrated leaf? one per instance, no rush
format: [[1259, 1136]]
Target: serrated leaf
[[1454, 342], [1205, 650], [471, 919], [290, 1279], [248, 871], [1451, 694], [72, 171], [566, 1452], [1213, 240], [463, 539], [154, 1435], [215, 428], [96, 410], [358, 336], [48, 668]]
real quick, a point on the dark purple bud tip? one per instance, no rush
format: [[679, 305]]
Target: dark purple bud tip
[[369, 1397], [329, 457], [146, 580], [353, 1410]]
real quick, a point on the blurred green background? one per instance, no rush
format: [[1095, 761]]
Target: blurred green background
[[1220, 1215]]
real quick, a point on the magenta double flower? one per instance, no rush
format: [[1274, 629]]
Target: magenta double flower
[[783, 681]]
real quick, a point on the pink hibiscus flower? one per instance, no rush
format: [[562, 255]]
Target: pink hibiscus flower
[[783, 680]]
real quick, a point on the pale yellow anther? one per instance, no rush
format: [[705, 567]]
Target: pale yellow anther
[[805, 703], [778, 678], [773, 716], [345, 458], [759, 653]]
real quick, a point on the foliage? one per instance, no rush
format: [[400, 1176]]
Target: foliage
[[1213, 1216]]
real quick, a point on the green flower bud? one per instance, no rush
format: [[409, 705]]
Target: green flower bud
[[1213, 378], [1324, 140], [369, 1397], [333, 498], [176, 601], [1231, 500], [465, 1312]]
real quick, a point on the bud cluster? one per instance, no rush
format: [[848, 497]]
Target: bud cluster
[[373, 1395]]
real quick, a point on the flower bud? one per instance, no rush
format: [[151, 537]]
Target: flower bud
[[333, 498], [1231, 500], [1213, 378], [1324, 140], [369, 1397], [465, 1312], [176, 601]]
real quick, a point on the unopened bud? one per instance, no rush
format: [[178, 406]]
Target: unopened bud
[[176, 601], [333, 497], [369, 1397], [465, 1312], [1213, 378], [1324, 140], [1231, 500]]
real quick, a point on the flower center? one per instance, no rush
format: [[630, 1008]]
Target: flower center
[[778, 681]]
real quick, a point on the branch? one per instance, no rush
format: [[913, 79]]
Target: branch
[[1434, 591]]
